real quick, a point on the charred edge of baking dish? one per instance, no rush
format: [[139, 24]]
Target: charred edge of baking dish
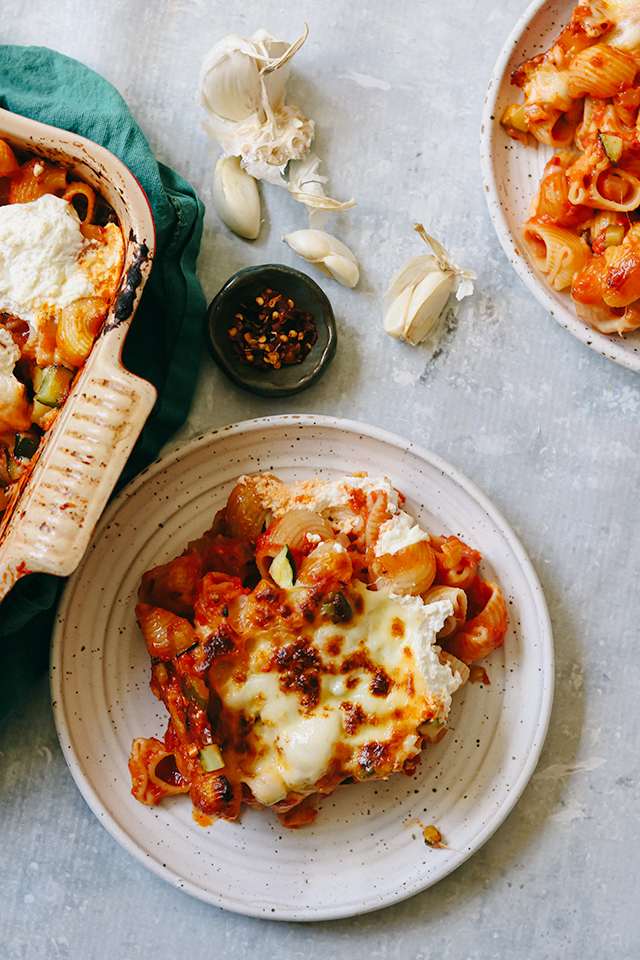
[[123, 307]]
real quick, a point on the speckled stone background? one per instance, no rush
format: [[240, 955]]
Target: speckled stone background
[[545, 427]]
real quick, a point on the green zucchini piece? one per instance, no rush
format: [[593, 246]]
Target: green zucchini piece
[[195, 690], [36, 378], [25, 445], [55, 386], [283, 568], [211, 758], [612, 146]]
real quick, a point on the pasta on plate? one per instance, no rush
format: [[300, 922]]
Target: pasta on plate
[[312, 637], [581, 97], [61, 259]]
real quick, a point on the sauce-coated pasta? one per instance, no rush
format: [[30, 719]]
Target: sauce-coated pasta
[[581, 97]]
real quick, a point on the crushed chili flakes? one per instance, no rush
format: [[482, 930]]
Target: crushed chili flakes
[[270, 331]]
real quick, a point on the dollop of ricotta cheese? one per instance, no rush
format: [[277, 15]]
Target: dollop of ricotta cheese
[[398, 533], [40, 243]]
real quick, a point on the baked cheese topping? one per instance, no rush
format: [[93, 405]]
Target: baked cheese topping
[[337, 696], [626, 32]]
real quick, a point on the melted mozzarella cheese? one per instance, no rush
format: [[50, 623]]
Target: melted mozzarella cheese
[[626, 33], [374, 680], [549, 84]]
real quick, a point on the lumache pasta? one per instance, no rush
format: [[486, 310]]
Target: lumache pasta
[[581, 97], [61, 259], [312, 637]]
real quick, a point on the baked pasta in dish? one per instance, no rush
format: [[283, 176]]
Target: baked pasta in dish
[[581, 97], [313, 636], [61, 259]]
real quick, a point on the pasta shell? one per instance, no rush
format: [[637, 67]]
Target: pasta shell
[[77, 328]]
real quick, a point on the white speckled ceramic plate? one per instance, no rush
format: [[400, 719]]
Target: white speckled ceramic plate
[[366, 848], [512, 172]]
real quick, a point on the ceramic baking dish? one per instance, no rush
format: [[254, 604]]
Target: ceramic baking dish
[[47, 528]]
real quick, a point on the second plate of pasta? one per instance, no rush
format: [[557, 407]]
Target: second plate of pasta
[[367, 847], [512, 172]]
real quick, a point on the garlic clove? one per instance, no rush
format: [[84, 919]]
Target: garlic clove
[[409, 274], [428, 300], [236, 198], [230, 80], [419, 290], [395, 313], [327, 253], [341, 269]]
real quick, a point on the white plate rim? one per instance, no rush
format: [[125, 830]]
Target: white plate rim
[[454, 858], [624, 351]]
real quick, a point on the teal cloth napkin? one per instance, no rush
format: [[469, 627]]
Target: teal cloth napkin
[[165, 340]]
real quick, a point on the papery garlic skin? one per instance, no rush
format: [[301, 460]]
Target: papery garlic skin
[[305, 185], [328, 254], [236, 198], [419, 290], [242, 93]]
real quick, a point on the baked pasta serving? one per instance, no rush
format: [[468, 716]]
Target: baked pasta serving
[[312, 637], [581, 98], [61, 259]]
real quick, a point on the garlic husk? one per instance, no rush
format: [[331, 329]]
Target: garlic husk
[[236, 198], [419, 290], [305, 185], [327, 253], [242, 93]]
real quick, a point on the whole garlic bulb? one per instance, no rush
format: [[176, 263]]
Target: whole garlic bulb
[[242, 93], [419, 290], [236, 198], [325, 252]]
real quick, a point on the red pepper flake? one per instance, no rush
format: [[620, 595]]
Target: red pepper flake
[[270, 331]]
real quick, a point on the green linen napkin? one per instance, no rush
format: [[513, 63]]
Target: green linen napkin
[[165, 340]]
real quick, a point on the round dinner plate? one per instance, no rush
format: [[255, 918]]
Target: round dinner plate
[[366, 849], [512, 172]]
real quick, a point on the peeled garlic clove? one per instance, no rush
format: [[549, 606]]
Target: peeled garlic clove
[[326, 253], [236, 198]]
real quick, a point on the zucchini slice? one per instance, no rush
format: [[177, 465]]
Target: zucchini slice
[[283, 568], [25, 445], [55, 386], [211, 758], [612, 146]]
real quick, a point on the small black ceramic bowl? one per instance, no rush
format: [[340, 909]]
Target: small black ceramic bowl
[[244, 287]]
